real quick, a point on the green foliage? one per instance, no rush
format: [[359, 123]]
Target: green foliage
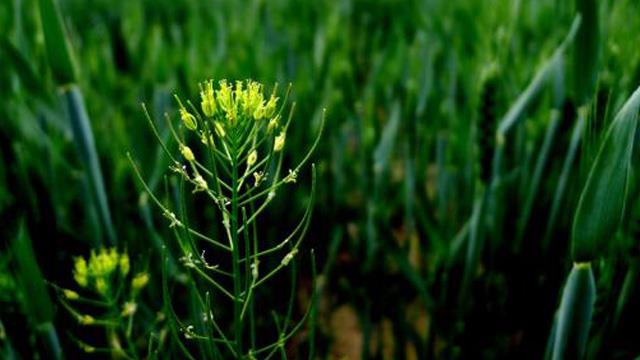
[[243, 136], [472, 151], [586, 54], [85, 146], [58, 49], [574, 314], [36, 300], [602, 201]]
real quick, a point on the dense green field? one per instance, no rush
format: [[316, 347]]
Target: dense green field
[[403, 180]]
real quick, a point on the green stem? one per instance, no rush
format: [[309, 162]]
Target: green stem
[[237, 288]]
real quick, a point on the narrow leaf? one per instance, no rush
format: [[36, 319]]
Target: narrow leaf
[[57, 45], [85, 145], [602, 202], [37, 302], [515, 113], [574, 315], [586, 52]]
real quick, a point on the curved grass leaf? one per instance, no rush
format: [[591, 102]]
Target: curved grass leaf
[[23, 69], [574, 315], [559, 195], [57, 45], [602, 202], [537, 176], [475, 247], [83, 137], [37, 302], [550, 68]]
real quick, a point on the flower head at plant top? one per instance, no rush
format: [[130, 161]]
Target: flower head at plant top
[[231, 108], [100, 269]]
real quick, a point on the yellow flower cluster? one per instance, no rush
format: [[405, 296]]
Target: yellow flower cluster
[[97, 271], [231, 104]]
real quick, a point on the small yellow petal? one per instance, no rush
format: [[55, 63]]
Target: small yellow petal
[[279, 142]]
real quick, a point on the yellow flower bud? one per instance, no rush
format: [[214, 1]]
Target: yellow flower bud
[[224, 96], [70, 294], [208, 102], [287, 259], [129, 308], [124, 264], [257, 177], [113, 257], [273, 123], [188, 119], [219, 129], [239, 92], [187, 153], [139, 281], [292, 177], [270, 107], [80, 272], [101, 286], [279, 142], [258, 113], [252, 158], [201, 183], [86, 319], [104, 263], [205, 141], [253, 103]]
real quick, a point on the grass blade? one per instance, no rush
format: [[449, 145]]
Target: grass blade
[[602, 202], [532, 192], [475, 247], [85, 144], [574, 316], [23, 69], [37, 301], [57, 45], [514, 115], [576, 137], [586, 54]]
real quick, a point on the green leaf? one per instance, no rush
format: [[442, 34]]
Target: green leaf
[[382, 153], [23, 69], [561, 185], [602, 202], [86, 148], [574, 315], [59, 54], [527, 97], [586, 52], [37, 302]]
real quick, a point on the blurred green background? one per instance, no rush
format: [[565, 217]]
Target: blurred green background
[[417, 259]]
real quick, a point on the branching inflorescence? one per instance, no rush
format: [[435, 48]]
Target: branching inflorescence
[[107, 298], [238, 166]]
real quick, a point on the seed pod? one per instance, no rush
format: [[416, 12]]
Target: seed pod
[[187, 153]]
